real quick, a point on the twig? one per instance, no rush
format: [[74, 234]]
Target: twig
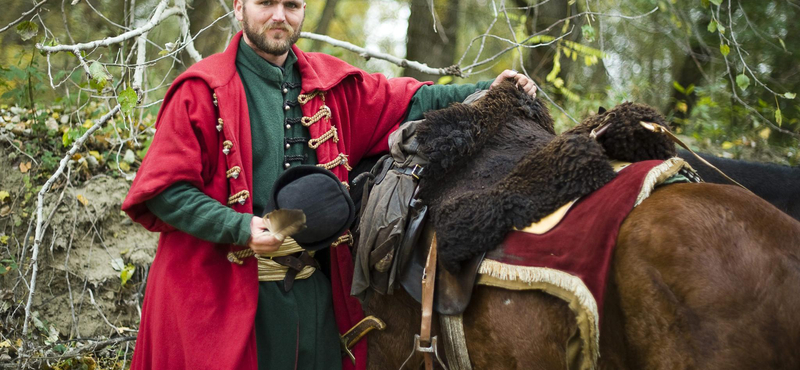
[[97, 307], [405, 63], [20, 150], [39, 206], [23, 16], [229, 14], [185, 32]]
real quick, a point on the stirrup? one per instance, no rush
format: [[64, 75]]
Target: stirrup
[[430, 349]]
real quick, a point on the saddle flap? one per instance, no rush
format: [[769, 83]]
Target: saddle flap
[[453, 291]]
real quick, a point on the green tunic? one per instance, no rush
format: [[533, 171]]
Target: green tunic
[[295, 328]]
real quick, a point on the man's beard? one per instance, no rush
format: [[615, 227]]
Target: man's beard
[[264, 43]]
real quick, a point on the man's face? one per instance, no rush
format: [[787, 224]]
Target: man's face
[[271, 26]]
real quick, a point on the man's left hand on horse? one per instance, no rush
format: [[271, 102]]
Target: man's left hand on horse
[[525, 83]]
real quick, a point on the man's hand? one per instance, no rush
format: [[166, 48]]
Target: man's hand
[[522, 81], [261, 239]]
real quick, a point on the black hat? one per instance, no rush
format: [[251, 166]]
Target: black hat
[[322, 197]]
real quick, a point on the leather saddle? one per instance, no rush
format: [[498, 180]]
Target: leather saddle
[[453, 291]]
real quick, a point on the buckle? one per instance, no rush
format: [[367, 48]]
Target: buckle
[[417, 171]]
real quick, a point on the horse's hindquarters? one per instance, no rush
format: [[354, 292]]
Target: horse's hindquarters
[[708, 276]]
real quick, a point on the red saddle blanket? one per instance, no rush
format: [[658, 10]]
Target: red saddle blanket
[[582, 243]]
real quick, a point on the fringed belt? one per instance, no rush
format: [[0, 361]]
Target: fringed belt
[[288, 263]]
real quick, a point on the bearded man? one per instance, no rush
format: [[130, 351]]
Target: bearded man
[[227, 129]]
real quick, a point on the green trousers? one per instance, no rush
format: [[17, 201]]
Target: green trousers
[[297, 329]]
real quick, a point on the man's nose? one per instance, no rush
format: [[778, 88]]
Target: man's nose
[[279, 15]]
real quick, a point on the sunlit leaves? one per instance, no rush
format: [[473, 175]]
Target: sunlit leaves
[[27, 30], [588, 32], [789, 95], [127, 100], [725, 49], [716, 2], [444, 80], [743, 81], [126, 273], [712, 26], [778, 117]]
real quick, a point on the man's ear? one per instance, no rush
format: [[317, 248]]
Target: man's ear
[[237, 9]]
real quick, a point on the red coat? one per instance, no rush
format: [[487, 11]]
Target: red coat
[[199, 309]]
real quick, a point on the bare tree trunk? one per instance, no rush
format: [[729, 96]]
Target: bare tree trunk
[[328, 13], [436, 49]]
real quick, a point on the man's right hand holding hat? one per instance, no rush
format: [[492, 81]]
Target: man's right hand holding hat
[[261, 239]]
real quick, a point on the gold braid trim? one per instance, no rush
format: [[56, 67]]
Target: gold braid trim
[[340, 159], [233, 172], [332, 133], [269, 270], [346, 185], [323, 112], [346, 238], [238, 197], [305, 98]]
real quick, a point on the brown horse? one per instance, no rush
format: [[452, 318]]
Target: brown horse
[[703, 276]]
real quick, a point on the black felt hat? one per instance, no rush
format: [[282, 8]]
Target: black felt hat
[[322, 197]]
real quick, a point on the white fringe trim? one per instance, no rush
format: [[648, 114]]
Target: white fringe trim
[[657, 175], [560, 279]]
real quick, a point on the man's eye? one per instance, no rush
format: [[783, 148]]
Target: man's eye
[[292, 5]]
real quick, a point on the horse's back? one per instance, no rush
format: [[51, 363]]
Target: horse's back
[[707, 276]]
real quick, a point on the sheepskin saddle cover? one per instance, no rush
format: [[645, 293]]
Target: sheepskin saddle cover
[[544, 172]]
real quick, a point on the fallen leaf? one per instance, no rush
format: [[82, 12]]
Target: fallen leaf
[[5, 344], [4, 195], [83, 200], [24, 167]]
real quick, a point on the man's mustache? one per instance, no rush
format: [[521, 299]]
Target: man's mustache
[[277, 26]]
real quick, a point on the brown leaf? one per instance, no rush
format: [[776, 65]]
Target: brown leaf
[[24, 167], [285, 222]]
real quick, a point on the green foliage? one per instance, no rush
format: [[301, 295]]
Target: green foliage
[[27, 30], [743, 81], [100, 77], [127, 100]]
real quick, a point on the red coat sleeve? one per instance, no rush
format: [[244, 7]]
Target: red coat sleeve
[[376, 106], [179, 151]]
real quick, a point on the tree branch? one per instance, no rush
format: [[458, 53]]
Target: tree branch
[[23, 16], [157, 18], [405, 63]]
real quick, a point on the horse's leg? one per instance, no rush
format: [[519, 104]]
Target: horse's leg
[[507, 329], [708, 277]]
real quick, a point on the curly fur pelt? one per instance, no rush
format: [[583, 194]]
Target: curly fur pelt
[[625, 139], [477, 199], [569, 167]]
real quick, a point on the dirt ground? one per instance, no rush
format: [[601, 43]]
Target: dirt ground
[[88, 248]]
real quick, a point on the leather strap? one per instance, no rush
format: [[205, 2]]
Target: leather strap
[[654, 127], [295, 265], [428, 280]]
